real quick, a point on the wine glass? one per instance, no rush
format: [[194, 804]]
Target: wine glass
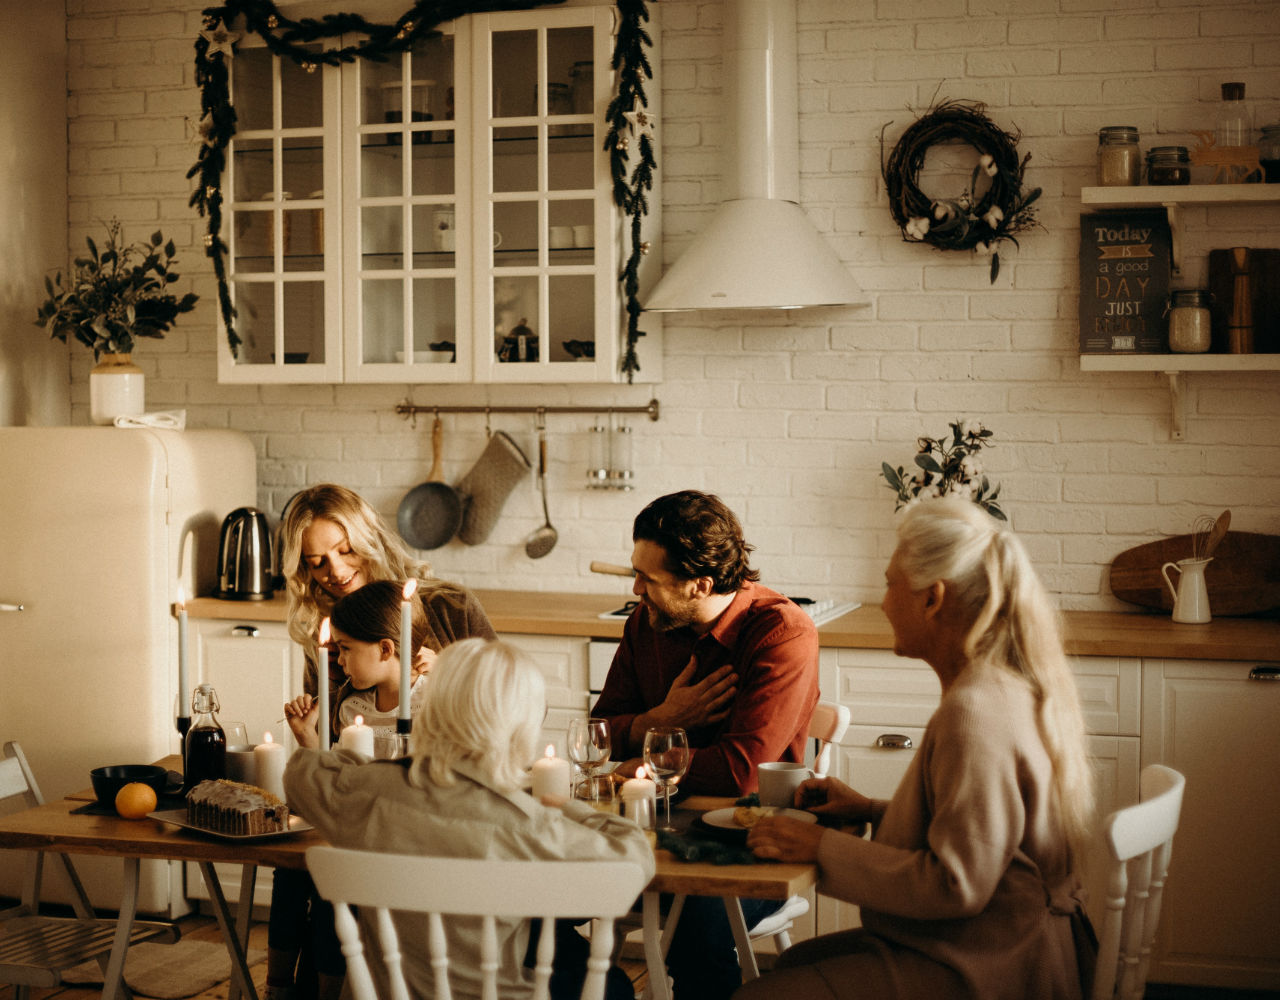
[[589, 747], [666, 755]]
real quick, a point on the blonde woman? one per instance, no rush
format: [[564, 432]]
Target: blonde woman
[[333, 543], [460, 794], [970, 884]]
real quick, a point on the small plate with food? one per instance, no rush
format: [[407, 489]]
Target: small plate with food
[[733, 822]]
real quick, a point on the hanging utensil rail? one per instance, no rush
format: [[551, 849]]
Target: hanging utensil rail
[[407, 409]]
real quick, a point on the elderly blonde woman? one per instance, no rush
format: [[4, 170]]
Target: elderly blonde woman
[[460, 794], [969, 886]]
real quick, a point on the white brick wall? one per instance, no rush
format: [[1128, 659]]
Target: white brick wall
[[787, 416]]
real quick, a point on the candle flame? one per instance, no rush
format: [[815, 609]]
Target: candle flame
[[182, 598], [359, 720], [410, 587], [550, 751], [266, 737], [641, 772], [324, 632]]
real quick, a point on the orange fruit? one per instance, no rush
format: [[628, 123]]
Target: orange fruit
[[135, 800]]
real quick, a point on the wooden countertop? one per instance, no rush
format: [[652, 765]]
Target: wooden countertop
[[1088, 633]]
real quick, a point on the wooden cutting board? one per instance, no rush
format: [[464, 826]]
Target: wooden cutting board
[[1243, 579]]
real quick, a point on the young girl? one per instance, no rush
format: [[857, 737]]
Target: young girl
[[366, 631]]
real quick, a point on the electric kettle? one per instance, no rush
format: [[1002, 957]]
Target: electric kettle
[[244, 556]]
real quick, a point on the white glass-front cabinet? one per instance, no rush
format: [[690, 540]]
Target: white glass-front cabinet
[[472, 239]]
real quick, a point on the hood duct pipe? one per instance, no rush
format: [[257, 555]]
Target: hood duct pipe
[[760, 250]]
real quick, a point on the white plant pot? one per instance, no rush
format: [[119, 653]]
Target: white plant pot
[[115, 389]]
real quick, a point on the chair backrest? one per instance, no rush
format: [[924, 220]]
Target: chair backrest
[[1139, 841], [463, 887], [827, 726]]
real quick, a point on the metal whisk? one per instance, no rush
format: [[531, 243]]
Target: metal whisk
[[1200, 529]]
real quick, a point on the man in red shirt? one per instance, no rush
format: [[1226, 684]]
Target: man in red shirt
[[732, 662]]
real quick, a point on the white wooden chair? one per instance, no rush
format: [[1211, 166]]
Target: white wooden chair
[[36, 950], [458, 887], [1139, 841]]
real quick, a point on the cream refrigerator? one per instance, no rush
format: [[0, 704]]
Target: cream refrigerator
[[99, 526]]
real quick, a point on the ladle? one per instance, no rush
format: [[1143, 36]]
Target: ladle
[[543, 539]]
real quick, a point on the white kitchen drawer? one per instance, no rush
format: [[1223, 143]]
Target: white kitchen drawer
[[563, 662], [1110, 694]]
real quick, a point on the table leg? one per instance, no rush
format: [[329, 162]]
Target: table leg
[[654, 955], [738, 923], [239, 965], [113, 976], [244, 916]]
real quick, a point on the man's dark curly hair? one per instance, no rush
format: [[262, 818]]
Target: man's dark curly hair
[[701, 537]]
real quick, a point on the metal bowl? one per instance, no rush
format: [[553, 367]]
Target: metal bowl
[[107, 781]]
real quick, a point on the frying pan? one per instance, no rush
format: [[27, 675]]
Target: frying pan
[[430, 513]]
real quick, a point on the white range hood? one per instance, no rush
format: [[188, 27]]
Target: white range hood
[[760, 250]]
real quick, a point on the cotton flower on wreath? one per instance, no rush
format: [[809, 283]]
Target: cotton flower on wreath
[[948, 466]]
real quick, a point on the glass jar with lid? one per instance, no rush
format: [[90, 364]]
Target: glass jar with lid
[[1119, 159], [1168, 165], [1189, 322]]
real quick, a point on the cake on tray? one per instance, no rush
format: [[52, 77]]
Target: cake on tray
[[235, 808]]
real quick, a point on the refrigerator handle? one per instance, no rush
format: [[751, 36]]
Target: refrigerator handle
[[249, 631], [12, 607]]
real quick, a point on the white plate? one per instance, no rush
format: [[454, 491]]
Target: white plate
[[178, 817], [723, 818]]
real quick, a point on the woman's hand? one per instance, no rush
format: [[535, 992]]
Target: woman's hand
[[782, 838], [423, 662], [303, 716], [830, 797]]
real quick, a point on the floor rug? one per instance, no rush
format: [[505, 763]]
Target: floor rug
[[168, 971]]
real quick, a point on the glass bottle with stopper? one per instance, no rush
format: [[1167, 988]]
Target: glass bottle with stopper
[[205, 749]]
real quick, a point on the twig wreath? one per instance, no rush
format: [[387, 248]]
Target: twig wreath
[[973, 220], [215, 47]]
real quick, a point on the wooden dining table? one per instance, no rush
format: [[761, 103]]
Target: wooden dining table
[[57, 826]]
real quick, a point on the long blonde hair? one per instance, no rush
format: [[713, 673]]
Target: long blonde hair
[[1014, 627], [485, 701], [385, 558]]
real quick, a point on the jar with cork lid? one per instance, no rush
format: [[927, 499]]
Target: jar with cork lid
[[1119, 159], [1189, 321]]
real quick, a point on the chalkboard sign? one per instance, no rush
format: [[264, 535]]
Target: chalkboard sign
[[1124, 282]]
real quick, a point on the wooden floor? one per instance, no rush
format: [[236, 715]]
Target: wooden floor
[[203, 928]]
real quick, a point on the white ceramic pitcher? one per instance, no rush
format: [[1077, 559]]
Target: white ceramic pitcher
[[1190, 596]]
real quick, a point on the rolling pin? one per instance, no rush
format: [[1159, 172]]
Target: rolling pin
[[613, 569]]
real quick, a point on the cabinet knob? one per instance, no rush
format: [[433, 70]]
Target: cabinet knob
[[248, 631], [1264, 673], [894, 741]]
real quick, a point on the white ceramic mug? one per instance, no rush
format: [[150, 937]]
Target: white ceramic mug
[[778, 782], [583, 236], [561, 237], [240, 764]]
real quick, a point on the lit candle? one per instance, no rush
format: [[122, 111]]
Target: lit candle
[[639, 799], [357, 737], [322, 685], [406, 649], [551, 776], [268, 766], [184, 689]]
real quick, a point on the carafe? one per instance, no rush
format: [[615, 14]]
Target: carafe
[[1190, 596], [205, 747]]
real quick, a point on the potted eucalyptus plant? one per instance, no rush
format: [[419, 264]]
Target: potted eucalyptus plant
[[110, 298]]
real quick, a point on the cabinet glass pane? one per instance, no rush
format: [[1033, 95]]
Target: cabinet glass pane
[[515, 158], [255, 304], [382, 237], [431, 61], [569, 163], [515, 225], [301, 94], [515, 305], [304, 320], [570, 316], [253, 240], [381, 166], [382, 320], [432, 168], [568, 55], [250, 168], [570, 234], [302, 166], [435, 325], [434, 236], [251, 84], [304, 246], [515, 76]]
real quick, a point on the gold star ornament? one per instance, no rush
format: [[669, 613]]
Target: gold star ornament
[[221, 40], [641, 122]]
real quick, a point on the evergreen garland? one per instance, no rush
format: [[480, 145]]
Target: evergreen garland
[[290, 39]]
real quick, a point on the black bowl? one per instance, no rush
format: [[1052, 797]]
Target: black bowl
[[107, 781]]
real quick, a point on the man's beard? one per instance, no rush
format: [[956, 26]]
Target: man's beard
[[670, 619]]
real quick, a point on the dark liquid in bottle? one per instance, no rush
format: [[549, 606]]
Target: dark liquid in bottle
[[206, 756]]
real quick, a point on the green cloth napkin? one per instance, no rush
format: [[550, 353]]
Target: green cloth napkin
[[688, 848]]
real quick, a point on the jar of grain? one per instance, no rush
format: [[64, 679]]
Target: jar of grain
[[1189, 324], [1168, 165], [1119, 159]]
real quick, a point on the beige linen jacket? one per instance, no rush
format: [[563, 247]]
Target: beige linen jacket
[[373, 806]]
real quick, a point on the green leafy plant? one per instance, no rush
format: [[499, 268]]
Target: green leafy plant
[[115, 295], [948, 466]]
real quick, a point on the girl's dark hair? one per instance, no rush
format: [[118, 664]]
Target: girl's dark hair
[[372, 614], [701, 537]]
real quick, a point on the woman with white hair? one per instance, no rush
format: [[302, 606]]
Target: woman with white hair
[[460, 794], [969, 886]]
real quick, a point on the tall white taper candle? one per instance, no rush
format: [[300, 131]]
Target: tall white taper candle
[[406, 645], [322, 685]]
